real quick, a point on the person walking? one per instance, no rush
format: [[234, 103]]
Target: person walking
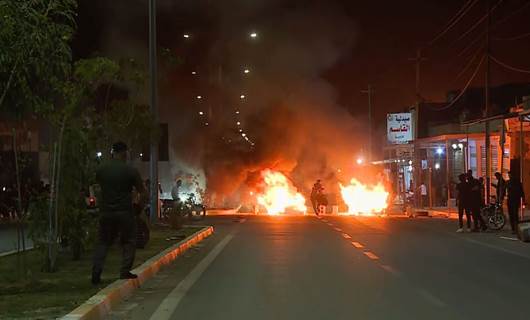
[[117, 180], [515, 192], [475, 201], [462, 198]]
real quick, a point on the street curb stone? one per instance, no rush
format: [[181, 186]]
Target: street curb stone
[[100, 304]]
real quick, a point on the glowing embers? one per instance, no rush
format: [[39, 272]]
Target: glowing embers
[[278, 195], [364, 200]]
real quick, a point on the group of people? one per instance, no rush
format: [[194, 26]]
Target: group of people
[[470, 199]]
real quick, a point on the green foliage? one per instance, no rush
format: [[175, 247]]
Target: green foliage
[[36, 55]]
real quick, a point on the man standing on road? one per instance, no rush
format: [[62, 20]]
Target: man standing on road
[[515, 195], [500, 187], [117, 180], [475, 200], [462, 198]]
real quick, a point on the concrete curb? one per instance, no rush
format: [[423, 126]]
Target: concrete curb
[[99, 305]]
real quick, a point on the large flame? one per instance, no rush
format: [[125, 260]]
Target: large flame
[[364, 200], [279, 194]]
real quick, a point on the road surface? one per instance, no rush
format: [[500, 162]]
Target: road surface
[[340, 268]]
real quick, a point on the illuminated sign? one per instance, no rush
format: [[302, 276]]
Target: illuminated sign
[[399, 128]]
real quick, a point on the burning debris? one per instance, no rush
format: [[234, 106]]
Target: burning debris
[[364, 200], [279, 195]]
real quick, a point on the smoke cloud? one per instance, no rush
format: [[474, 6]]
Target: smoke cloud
[[289, 113]]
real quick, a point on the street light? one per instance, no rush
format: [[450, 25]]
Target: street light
[[193, 72], [242, 96], [237, 111], [199, 97], [437, 166], [187, 36], [99, 154], [360, 161], [238, 123], [253, 35], [439, 151], [246, 71], [201, 113]]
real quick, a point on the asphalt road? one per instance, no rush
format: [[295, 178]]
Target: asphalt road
[[340, 268]]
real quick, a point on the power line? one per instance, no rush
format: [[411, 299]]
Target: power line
[[453, 21], [469, 64], [484, 17], [465, 88], [507, 66], [521, 36]]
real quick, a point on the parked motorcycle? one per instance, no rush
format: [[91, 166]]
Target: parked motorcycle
[[494, 216]]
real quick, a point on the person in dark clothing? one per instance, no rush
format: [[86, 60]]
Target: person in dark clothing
[[515, 192], [475, 201], [316, 194], [462, 197], [117, 180], [500, 187]]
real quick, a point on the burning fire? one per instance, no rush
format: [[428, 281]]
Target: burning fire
[[279, 194], [364, 200]]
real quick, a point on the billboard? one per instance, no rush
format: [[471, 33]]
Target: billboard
[[399, 128]]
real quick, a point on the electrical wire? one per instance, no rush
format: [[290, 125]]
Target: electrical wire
[[453, 21], [469, 64], [465, 88], [507, 66], [521, 36], [484, 17]]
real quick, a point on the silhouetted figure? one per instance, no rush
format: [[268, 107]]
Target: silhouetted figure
[[316, 195], [462, 198], [475, 201], [117, 180], [500, 187], [515, 192]]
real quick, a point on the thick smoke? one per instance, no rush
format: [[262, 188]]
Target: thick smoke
[[290, 111]]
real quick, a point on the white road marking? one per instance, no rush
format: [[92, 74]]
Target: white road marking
[[391, 270], [491, 246], [431, 298], [509, 238], [171, 302]]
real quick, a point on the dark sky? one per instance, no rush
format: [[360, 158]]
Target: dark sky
[[386, 34]]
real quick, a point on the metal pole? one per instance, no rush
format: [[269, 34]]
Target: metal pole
[[447, 174], [153, 164], [487, 106], [521, 157], [369, 91]]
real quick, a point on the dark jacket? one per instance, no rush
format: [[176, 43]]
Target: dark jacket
[[515, 191]]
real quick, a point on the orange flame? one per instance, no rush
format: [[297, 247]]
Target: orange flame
[[364, 200], [279, 194]]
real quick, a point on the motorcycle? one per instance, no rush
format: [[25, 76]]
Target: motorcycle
[[493, 215]]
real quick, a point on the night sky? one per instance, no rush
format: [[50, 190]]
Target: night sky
[[387, 33]]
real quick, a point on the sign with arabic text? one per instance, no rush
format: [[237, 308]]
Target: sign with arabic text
[[399, 128]]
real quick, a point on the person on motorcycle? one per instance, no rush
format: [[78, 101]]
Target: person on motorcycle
[[316, 193], [515, 191], [462, 198]]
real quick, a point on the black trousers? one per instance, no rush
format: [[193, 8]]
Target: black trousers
[[513, 212], [112, 224], [461, 211], [478, 221]]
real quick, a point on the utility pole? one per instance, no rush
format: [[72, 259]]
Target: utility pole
[[417, 159], [487, 105], [370, 92], [153, 163]]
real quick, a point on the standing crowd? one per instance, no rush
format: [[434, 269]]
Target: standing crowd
[[471, 200]]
